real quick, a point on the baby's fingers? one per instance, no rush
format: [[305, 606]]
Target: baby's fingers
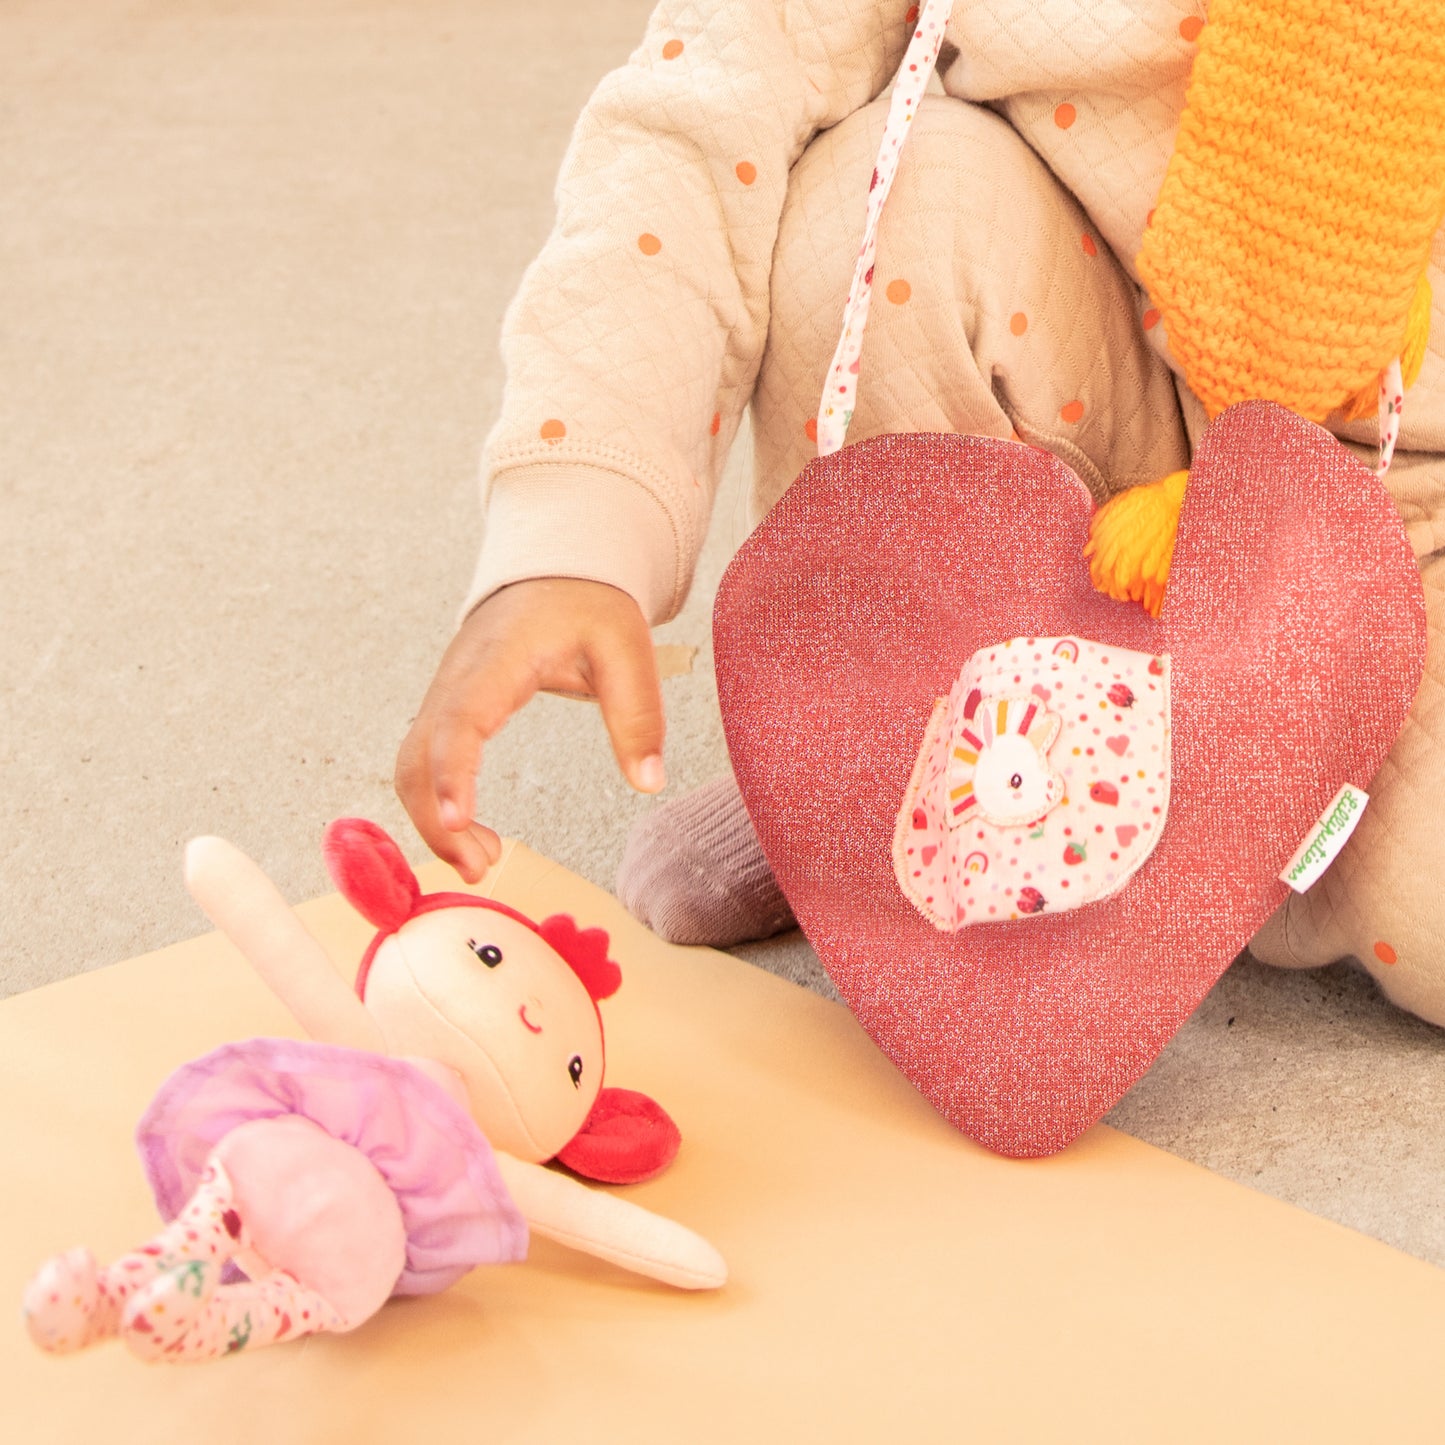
[[480, 683], [624, 678], [466, 845]]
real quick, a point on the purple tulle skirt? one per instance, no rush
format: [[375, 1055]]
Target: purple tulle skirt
[[456, 1209]]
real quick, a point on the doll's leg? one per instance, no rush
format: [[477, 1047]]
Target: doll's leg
[[73, 1301], [1383, 899], [997, 310], [318, 1230], [186, 1315]]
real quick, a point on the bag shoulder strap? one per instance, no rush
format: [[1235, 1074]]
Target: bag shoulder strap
[[835, 408]]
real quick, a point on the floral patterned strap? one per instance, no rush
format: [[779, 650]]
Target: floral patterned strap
[[835, 410], [1392, 400]]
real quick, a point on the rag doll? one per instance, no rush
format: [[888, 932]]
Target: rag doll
[[305, 1182]]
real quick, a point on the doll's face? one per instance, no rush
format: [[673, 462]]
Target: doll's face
[[484, 994]]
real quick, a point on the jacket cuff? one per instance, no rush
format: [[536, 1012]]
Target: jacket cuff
[[565, 519]]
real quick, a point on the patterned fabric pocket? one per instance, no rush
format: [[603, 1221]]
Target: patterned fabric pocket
[[1042, 783]]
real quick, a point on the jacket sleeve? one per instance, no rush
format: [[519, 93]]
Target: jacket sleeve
[[633, 343]]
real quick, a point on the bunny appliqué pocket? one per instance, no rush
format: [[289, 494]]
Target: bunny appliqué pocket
[[1042, 783]]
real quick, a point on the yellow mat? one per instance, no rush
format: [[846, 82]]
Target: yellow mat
[[890, 1281]]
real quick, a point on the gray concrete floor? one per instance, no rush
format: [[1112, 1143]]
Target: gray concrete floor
[[252, 271]]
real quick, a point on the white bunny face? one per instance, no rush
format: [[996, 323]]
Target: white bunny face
[[1012, 780]]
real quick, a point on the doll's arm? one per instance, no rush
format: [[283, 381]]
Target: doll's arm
[[244, 904], [598, 1223]]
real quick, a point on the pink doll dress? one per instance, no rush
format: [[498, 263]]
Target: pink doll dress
[[455, 1208]]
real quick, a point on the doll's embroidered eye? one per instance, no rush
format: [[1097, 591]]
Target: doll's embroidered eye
[[489, 953], [1016, 781], [574, 1070]]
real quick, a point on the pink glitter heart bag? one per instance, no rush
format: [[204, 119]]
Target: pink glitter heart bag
[[1024, 826]]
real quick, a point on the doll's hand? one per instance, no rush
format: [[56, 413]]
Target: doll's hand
[[553, 634]]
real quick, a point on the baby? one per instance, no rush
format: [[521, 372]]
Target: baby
[[710, 210]]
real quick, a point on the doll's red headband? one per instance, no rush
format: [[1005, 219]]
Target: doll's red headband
[[368, 868]]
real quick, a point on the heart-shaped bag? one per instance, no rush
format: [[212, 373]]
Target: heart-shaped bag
[[1295, 632], [1026, 827]]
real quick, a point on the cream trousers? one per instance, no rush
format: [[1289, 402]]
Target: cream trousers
[[997, 310]]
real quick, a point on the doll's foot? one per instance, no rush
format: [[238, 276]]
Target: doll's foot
[[694, 871], [161, 1318], [65, 1308]]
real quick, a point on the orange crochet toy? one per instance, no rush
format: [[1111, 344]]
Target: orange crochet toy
[[1287, 251]]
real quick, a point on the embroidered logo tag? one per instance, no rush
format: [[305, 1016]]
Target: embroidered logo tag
[[1325, 839]]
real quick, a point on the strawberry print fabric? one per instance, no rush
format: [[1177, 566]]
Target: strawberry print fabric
[[1042, 784]]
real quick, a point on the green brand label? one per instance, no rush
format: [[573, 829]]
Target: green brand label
[[1323, 842]]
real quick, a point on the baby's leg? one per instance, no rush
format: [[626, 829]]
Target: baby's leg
[[73, 1301], [693, 871], [1383, 899], [998, 311], [997, 308]]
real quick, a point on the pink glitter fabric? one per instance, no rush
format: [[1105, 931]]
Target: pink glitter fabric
[[1295, 627]]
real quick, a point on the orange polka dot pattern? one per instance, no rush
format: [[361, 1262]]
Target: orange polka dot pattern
[[747, 172], [1065, 116], [648, 244], [898, 291], [553, 430], [1297, 213], [672, 50]]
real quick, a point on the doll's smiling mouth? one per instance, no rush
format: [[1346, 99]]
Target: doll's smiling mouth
[[522, 1012]]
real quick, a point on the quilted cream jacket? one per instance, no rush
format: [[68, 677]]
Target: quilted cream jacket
[[633, 344]]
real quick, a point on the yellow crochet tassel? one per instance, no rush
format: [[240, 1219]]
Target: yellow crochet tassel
[[1131, 537], [1131, 541], [1417, 332], [1412, 354]]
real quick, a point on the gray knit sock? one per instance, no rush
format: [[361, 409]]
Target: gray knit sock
[[693, 871]]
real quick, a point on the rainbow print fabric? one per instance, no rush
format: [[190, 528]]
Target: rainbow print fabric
[[1042, 783]]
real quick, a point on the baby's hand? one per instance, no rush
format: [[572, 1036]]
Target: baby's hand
[[553, 634]]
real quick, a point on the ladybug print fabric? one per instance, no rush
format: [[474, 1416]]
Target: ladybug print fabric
[[1042, 783]]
